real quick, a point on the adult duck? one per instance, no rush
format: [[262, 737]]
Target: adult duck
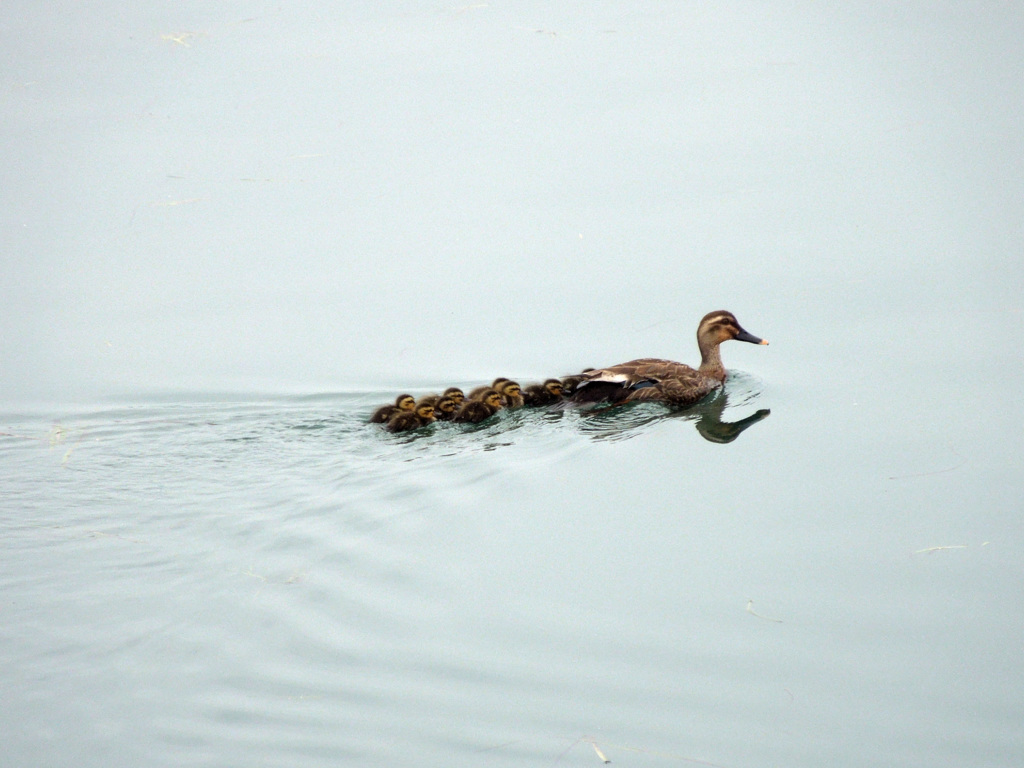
[[665, 381]]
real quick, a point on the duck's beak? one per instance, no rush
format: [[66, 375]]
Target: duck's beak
[[744, 336]]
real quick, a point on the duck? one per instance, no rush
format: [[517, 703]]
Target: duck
[[511, 393], [477, 392], [445, 408], [402, 403], [569, 383], [455, 394], [548, 393], [474, 411], [665, 381], [408, 420]]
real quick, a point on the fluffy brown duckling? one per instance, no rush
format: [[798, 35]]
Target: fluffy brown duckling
[[408, 420], [569, 383], [477, 392], [474, 411], [403, 403], [445, 408], [548, 393], [455, 394], [666, 381], [511, 393]]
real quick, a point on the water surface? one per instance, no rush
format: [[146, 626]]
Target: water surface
[[230, 230], [277, 581]]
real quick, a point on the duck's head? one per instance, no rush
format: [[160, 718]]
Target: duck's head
[[497, 383], [455, 394], [405, 402], [425, 411], [553, 387], [446, 405], [492, 398], [509, 388], [716, 327]]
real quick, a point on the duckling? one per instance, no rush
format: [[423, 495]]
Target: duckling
[[403, 403], [455, 394], [569, 383], [543, 394], [477, 392], [665, 381], [511, 393], [474, 394], [474, 411], [445, 408], [408, 420], [428, 400]]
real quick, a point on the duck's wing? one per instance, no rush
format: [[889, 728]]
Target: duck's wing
[[636, 372], [617, 382], [646, 379], [674, 383], [679, 390]]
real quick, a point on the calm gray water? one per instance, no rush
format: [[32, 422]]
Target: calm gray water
[[274, 582], [229, 231]]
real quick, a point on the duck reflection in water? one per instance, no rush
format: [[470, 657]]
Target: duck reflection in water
[[621, 422]]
